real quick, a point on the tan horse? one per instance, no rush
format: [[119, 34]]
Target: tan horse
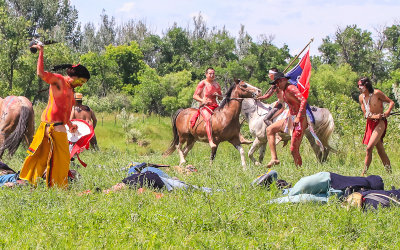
[[17, 121], [225, 123]]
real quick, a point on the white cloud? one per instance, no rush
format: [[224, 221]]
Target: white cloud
[[127, 7]]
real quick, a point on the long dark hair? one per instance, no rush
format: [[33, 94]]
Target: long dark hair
[[74, 70], [365, 81]]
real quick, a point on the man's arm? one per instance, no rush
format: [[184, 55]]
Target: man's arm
[[219, 93], [72, 116], [48, 77], [198, 91], [303, 101], [94, 119], [384, 98], [360, 99], [269, 93]]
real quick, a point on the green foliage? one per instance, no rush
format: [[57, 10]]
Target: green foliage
[[109, 103], [148, 94], [104, 78], [129, 59]]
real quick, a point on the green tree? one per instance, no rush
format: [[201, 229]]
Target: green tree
[[129, 61], [104, 78], [149, 93], [13, 42]]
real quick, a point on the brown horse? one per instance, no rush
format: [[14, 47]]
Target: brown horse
[[225, 123], [17, 121]]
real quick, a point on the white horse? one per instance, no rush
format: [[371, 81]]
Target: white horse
[[254, 111]]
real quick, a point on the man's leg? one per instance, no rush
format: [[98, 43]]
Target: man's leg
[[271, 131], [297, 137], [384, 157], [207, 116], [374, 139], [271, 114]]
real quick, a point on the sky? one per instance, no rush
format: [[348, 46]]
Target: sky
[[291, 22]]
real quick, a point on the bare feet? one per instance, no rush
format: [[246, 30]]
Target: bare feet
[[364, 172], [244, 140], [272, 163]]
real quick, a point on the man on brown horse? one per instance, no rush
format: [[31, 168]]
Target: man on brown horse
[[297, 120], [49, 152], [83, 112], [371, 101], [207, 92]]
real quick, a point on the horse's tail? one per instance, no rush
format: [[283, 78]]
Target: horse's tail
[[14, 139], [325, 130], [175, 140]]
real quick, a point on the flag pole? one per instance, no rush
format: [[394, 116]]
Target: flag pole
[[297, 56], [290, 64]]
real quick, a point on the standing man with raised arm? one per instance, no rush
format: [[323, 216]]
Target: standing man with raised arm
[[371, 101], [49, 151]]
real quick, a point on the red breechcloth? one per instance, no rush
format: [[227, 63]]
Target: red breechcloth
[[371, 124], [209, 108]]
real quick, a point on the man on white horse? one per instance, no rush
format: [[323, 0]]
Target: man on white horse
[[279, 105]]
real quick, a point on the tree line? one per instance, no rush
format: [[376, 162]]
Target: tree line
[[133, 67]]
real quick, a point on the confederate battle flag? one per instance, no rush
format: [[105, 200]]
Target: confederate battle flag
[[300, 74]]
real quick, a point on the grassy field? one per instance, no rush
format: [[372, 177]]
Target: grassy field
[[237, 218]]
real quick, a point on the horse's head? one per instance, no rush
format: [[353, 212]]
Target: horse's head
[[246, 90]]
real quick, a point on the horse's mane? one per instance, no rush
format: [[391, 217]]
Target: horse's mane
[[227, 98]]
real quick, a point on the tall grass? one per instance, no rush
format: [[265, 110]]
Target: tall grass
[[238, 217]]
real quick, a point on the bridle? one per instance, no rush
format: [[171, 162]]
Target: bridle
[[245, 90]]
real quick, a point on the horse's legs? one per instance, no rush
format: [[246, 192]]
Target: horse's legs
[[30, 129], [262, 152], [256, 144], [2, 138], [236, 143], [314, 146], [179, 149], [189, 145]]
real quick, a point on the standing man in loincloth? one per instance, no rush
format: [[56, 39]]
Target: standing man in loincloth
[[84, 112], [49, 151], [371, 101], [207, 92], [296, 121]]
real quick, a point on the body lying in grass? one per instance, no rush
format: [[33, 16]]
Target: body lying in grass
[[153, 178]]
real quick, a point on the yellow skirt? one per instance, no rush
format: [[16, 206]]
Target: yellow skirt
[[49, 157]]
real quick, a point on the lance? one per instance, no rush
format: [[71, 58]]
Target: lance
[[291, 62], [297, 56]]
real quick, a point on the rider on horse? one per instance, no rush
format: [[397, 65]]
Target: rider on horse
[[206, 93], [279, 105]]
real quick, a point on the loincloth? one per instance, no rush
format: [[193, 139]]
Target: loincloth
[[48, 156], [209, 108], [370, 127]]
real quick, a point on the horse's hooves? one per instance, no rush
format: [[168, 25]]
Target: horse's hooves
[[257, 163]]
